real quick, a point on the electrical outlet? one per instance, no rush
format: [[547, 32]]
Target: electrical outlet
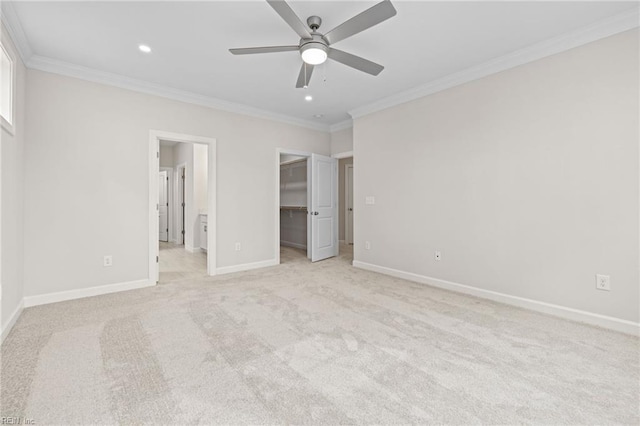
[[108, 260], [367, 245], [238, 247], [603, 282], [438, 255]]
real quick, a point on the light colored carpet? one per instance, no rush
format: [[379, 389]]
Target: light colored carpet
[[309, 343]]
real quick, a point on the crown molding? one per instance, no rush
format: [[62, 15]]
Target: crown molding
[[346, 124], [12, 23], [596, 31], [587, 34], [42, 63], [14, 28]]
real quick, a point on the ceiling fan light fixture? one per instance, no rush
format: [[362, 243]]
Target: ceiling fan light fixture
[[314, 53]]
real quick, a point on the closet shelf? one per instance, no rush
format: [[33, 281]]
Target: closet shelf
[[293, 207]]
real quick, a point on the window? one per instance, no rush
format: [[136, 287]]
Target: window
[[6, 89]]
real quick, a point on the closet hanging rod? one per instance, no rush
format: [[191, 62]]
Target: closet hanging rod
[[293, 207]]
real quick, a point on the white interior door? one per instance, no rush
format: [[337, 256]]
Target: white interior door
[[163, 206], [323, 207], [349, 204]]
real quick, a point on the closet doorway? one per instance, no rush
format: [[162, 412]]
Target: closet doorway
[[307, 202]]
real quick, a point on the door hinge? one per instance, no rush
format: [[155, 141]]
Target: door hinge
[[183, 232], [157, 206], [157, 259], [167, 229], [158, 154]]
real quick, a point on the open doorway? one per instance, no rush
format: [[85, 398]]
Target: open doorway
[[182, 243], [307, 202], [182, 235], [293, 208]]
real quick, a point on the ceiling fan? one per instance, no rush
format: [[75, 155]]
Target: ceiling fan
[[314, 46]]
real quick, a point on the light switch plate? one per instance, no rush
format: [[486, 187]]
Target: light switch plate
[[370, 200]]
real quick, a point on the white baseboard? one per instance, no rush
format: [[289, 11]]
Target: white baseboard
[[245, 267], [294, 245], [43, 299], [12, 321], [617, 324]]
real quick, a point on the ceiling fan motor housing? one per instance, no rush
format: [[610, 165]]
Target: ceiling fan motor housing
[[314, 22]]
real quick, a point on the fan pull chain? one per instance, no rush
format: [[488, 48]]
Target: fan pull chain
[[305, 76]]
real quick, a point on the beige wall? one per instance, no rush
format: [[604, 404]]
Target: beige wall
[[342, 141], [88, 162], [526, 181], [166, 156], [342, 205], [12, 195]]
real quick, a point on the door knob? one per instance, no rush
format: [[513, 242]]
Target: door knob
[[350, 209], [316, 213]]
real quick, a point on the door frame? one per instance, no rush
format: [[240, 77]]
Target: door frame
[[154, 167], [347, 190], [284, 151], [180, 196], [169, 171]]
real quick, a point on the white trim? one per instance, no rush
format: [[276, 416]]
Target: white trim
[[624, 326], [180, 198], [592, 32], [12, 321], [191, 249], [10, 124], [246, 267], [347, 191], [170, 213], [55, 66], [294, 245], [343, 125], [154, 165], [341, 155], [61, 296], [16, 32], [595, 31]]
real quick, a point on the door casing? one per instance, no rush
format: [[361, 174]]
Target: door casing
[[348, 193]]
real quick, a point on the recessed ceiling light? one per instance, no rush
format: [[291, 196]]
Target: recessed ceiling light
[[144, 48], [318, 115], [308, 98]]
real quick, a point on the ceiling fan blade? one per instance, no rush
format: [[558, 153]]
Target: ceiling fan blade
[[266, 49], [304, 76], [367, 19], [290, 17], [354, 61]]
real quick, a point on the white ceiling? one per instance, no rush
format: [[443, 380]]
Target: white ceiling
[[425, 41]]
